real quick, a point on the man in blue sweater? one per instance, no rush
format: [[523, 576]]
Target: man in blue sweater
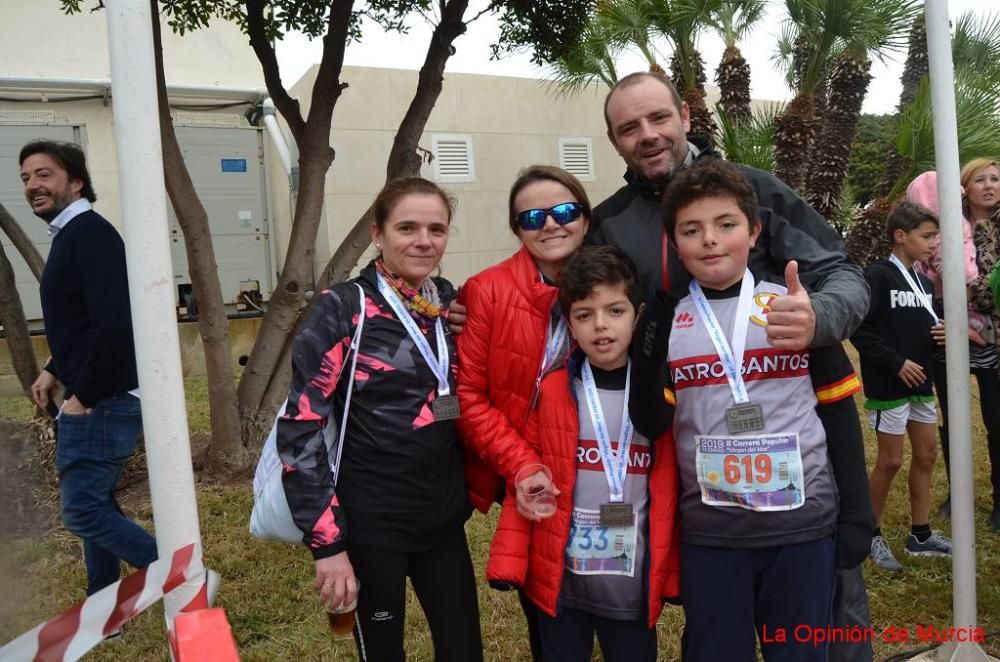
[[88, 323]]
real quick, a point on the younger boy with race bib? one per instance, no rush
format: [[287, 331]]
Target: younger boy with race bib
[[607, 559], [896, 344], [759, 503]]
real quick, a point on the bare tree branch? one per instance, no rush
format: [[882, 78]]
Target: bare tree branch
[[286, 105], [328, 85], [488, 10]]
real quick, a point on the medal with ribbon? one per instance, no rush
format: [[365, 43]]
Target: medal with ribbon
[[445, 405], [744, 416], [616, 512], [555, 341]]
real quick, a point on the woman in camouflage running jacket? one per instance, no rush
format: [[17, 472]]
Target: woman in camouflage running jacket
[[399, 504]]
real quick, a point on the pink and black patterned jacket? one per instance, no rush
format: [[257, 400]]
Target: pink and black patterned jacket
[[401, 484]]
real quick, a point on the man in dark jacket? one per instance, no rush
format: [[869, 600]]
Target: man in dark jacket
[[647, 125], [88, 324]]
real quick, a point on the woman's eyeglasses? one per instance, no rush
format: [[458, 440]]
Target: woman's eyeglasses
[[534, 219]]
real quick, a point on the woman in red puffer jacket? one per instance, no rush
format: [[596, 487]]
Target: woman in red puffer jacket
[[515, 334]]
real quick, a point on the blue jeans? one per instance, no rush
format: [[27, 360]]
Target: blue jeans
[[91, 451]]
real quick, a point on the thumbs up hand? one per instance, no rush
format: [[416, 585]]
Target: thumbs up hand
[[791, 321]]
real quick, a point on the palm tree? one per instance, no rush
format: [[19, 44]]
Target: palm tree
[[914, 71], [748, 139], [680, 22], [733, 20], [976, 45], [590, 60], [624, 24], [832, 29], [831, 155], [977, 107], [976, 55]]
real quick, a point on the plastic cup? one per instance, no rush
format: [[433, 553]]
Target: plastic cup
[[541, 499], [342, 618], [342, 622]]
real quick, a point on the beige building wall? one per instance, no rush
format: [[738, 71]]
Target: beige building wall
[[512, 122], [39, 40]]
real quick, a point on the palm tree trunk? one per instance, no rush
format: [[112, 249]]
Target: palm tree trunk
[[794, 135], [693, 93], [914, 70], [832, 152], [866, 241], [733, 77]]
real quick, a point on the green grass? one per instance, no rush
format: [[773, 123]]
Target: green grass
[[267, 595]]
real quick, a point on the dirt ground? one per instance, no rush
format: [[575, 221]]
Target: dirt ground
[[29, 502]]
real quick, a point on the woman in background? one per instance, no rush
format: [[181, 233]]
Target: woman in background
[[981, 194]]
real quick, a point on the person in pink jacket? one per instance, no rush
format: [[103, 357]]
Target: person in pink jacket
[[923, 191]]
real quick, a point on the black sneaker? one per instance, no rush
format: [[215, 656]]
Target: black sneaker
[[936, 545], [995, 519]]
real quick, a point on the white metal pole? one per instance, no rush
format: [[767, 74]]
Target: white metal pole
[[957, 322], [150, 277]]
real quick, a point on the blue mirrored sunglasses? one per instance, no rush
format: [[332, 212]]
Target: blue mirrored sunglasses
[[534, 219]]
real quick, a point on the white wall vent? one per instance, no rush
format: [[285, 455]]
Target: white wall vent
[[32, 117], [201, 118], [453, 159], [576, 155]]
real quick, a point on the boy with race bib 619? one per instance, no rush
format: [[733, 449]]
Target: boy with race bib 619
[[759, 503]]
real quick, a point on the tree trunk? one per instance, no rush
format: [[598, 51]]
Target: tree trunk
[[794, 133], [23, 244], [733, 77], [403, 158], [269, 354], [867, 241], [832, 152], [914, 70], [404, 161], [693, 93], [258, 399], [22, 354], [226, 451]]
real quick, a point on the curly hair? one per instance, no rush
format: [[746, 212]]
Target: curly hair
[[707, 178]]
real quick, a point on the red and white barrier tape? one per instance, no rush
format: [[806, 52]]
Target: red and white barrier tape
[[71, 634]]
